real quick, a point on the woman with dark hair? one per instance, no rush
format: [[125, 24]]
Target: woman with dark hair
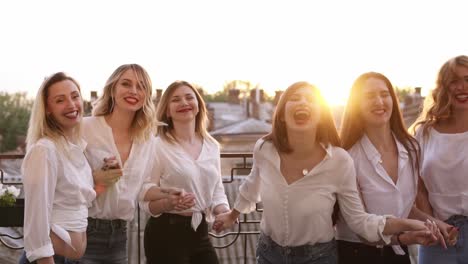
[[188, 159], [442, 131], [299, 173], [386, 158], [58, 184]]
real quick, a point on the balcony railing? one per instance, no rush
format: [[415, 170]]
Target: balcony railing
[[228, 243]]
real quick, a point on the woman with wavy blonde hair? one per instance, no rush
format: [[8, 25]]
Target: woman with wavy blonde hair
[[57, 180], [442, 132], [120, 144]]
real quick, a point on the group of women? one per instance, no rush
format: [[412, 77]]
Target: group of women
[[375, 187]]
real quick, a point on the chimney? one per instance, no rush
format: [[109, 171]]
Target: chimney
[[255, 104], [277, 97], [211, 119], [233, 96], [262, 96], [93, 96], [158, 97], [417, 90]]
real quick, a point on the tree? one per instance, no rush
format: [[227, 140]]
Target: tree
[[15, 110]]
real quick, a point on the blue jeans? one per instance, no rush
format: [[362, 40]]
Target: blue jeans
[[107, 242], [269, 252], [57, 259], [457, 254]]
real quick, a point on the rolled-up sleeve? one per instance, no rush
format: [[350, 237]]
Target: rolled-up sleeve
[[219, 195], [369, 226], [151, 179], [39, 180]]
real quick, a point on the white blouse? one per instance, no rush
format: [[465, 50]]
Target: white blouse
[[174, 167], [300, 213], [379, 193], [119, 200], [58, 190], [444, 169]]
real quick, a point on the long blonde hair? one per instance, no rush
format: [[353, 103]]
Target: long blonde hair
[[43, 125], [201, 120], [143, 122], [437, 106]]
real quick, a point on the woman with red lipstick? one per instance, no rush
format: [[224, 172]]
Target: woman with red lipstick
[[189, 160], [299, 173], [120, 145], [386, 158], [442, 131], [58, 183]]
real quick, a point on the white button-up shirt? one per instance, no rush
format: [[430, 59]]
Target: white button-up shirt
[[300, 213], [174, 167], [120, 199], [378, 191], [444, 171], [58, 189]]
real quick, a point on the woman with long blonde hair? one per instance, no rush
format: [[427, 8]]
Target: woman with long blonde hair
[[442, 132], [120, 147], [57, 180]]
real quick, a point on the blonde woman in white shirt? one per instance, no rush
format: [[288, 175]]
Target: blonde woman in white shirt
[[189, 159], [442, 131], [119, 136], [299, 173], [386, 158], [58, 183]]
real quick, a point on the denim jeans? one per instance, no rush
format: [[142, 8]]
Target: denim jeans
[[57, 259], [269, 252], [107, 242], [355, 252], [457, 254]]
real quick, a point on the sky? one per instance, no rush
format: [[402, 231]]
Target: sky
[[208, 42]]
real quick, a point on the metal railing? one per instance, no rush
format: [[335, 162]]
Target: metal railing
[[240, 232]]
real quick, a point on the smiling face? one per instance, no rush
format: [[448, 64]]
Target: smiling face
[[183, 105], [302, 110], [458, 89], [376, 103], [64, 105], [129, 92]]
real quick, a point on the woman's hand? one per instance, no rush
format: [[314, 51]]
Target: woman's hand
[[448, 232], [425, 238], [179, 201], [109, 174], [106, 177], [225, 220]]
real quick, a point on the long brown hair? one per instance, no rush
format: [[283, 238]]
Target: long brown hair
[[437, 107], [352, 128], [326, 129]]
